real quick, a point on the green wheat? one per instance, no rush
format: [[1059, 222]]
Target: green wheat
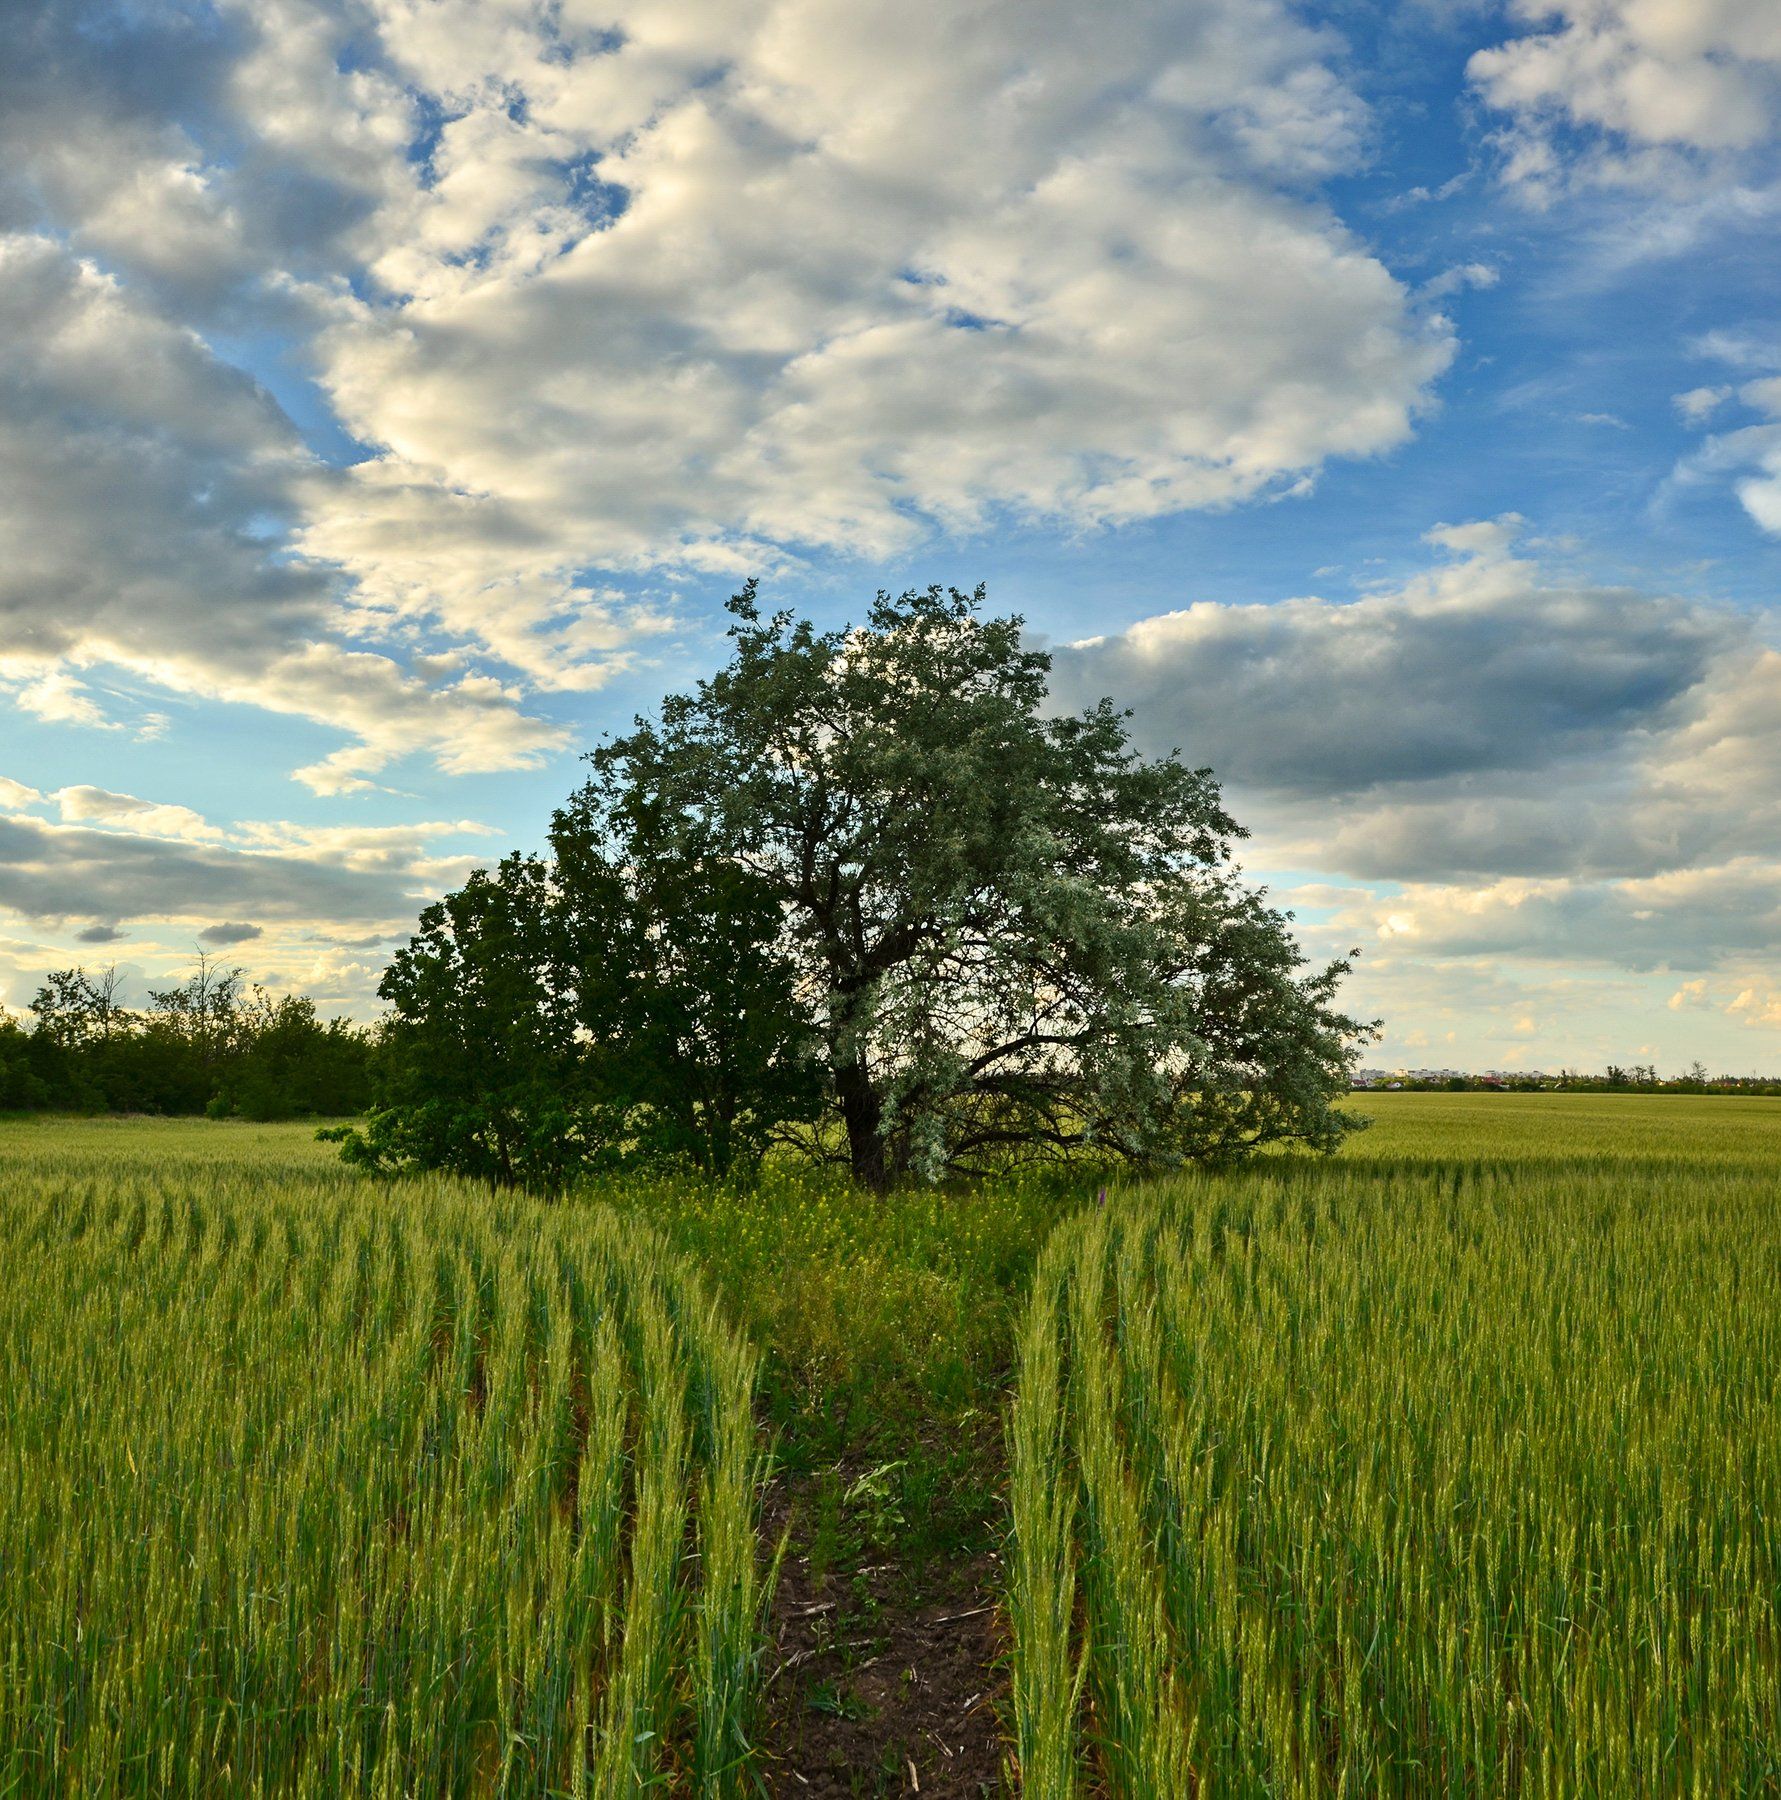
[[309, 1487], [1450, 1481]]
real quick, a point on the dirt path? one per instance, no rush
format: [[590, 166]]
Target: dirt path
[[879, 1686]]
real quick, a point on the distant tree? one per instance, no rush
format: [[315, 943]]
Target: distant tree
[[185, 1042], [1017, 935], [75, 1007], [81, 1047], [206, 1043], [290, 1064], [205, 1011], [22, 1088]]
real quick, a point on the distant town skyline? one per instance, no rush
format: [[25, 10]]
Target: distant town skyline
[[1383, 401]]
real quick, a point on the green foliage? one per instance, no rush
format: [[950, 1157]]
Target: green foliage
[[885, 1324], [1020, 937], [209, 1045], [623, 1004], [1441, 1480], [680, 985], [859, 893], [479, 1070], [309, 1490], [22, 1087]]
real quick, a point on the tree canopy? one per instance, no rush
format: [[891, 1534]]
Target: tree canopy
[[863, 892]]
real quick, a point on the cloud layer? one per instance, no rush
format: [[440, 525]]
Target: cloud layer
[[146, 879], [144, 488], [1538, 767], [662, 288], [1645, 82]]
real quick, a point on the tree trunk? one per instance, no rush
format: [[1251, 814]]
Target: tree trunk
[[863, 1112]]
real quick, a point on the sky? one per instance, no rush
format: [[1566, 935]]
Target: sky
[[1382, 399]]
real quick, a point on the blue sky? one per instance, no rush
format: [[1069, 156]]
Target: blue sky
[[1383, 401]]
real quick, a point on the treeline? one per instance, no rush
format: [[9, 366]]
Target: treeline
[[1694, 1080], [1636, 1079], [212, 1044]]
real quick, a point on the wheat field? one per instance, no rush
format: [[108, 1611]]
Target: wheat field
[[1460, 1480], [308, 1487], [1450, 1466]]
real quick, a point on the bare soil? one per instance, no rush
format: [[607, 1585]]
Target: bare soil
[[878, 1684]]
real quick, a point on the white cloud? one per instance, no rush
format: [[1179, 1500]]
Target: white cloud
[[667, 287], [823, 320], [116, 857], [1697, 918], [95, 805], [59, 699], [366, 848], [135, 472], [1457, 279], [1749, 455], [1700, 403], [294, 891], [1759, 1006], [1650, 79], [1485, 666]]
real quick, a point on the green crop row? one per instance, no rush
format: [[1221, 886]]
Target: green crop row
[[1442, 1482], [310, 1488]]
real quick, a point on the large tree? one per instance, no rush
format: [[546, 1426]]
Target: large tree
[[1015, 934], [479, 1070], [626, 1001]]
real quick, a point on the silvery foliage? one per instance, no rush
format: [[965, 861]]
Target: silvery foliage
[[1017, 936]]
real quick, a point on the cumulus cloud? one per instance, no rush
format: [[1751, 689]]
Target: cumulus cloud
[[1623, 92], [1748, 456], [1478, 668], [1681, 919], [817, 320], [1538, 767], [58, 699], [116, 856], [83, 805], [229, 932], [56, 872], [657, 287], [141, 479], [1700, 403], [110, 121], [1759, 1006]]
